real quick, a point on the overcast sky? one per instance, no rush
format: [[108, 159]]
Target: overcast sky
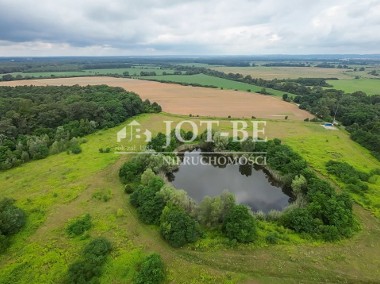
[[183, 27]]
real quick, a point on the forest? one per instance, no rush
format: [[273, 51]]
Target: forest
[[38, 121]]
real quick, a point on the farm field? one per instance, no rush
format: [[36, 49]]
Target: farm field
[[190, 100], [206, 80], [134, 71], [369, 86], [64, 186], [270, 73]]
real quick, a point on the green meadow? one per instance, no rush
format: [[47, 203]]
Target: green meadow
[[369, 86], [210, 81], [61, 187]]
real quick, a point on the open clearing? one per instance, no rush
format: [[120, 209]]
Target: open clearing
[[62, 186], [190, 100], [369, 86]]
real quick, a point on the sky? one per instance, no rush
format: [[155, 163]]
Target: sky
[[184, 27]]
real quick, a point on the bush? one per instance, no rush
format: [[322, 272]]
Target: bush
[[178, 228], [98, 248], [299, 220], [79, 226], [152, 271], [131, 171], [345, 172], [240, 225], [146, 199], [128, 189], [89, 268], [76, 149], [12, 218], [272, 238]]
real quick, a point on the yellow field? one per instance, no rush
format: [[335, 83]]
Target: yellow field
[[270, 73]]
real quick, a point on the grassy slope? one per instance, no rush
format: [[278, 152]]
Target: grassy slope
[[369, 86], [205, 80], [62, 186]]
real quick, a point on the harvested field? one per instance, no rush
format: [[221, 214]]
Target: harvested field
[[190, 100], [270, 73]]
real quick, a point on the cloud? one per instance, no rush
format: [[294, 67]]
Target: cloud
[[150, 27]]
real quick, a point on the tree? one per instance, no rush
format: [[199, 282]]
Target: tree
[[240, 225], [299, 220], [131, 171], [299, 185], [178, 197], [177, 227], [212, 211], [12, 218], [152, 271], [146, 199]]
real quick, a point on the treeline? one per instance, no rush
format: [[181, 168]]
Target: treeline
[[318, 211], [283, 64], [38, 121], [357, 111]]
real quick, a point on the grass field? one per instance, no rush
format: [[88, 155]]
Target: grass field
[[63, 186], [369, 86], [206, 80]]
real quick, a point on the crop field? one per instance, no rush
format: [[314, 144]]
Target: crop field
[[133, 71], [206, 80], [369, 86], [287, 72], [188, 100], [63, 186]]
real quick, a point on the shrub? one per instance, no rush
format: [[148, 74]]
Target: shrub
[[76, 149], [12, 218], [129, 188], [152, 271], [98, 248], [146, 199], [79, 226], [345, 172], [131, 171], [299, 220], [177, 227], [83, 271], [240, 225], [89, 267], [272, 238]]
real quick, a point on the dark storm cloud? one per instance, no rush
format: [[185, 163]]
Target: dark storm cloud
[[122, 27]]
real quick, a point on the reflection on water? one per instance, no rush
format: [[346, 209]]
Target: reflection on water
[[250, 185]]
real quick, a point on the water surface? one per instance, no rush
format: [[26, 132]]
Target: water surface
[[250, 185]]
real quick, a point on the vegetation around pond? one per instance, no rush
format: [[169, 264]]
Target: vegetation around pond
[[318, 212]]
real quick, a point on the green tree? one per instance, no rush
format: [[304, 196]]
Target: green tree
[[152, 271], [177, 227], [12, 218], [240, 225]]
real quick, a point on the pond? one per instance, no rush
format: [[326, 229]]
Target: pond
[[251, 185]]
